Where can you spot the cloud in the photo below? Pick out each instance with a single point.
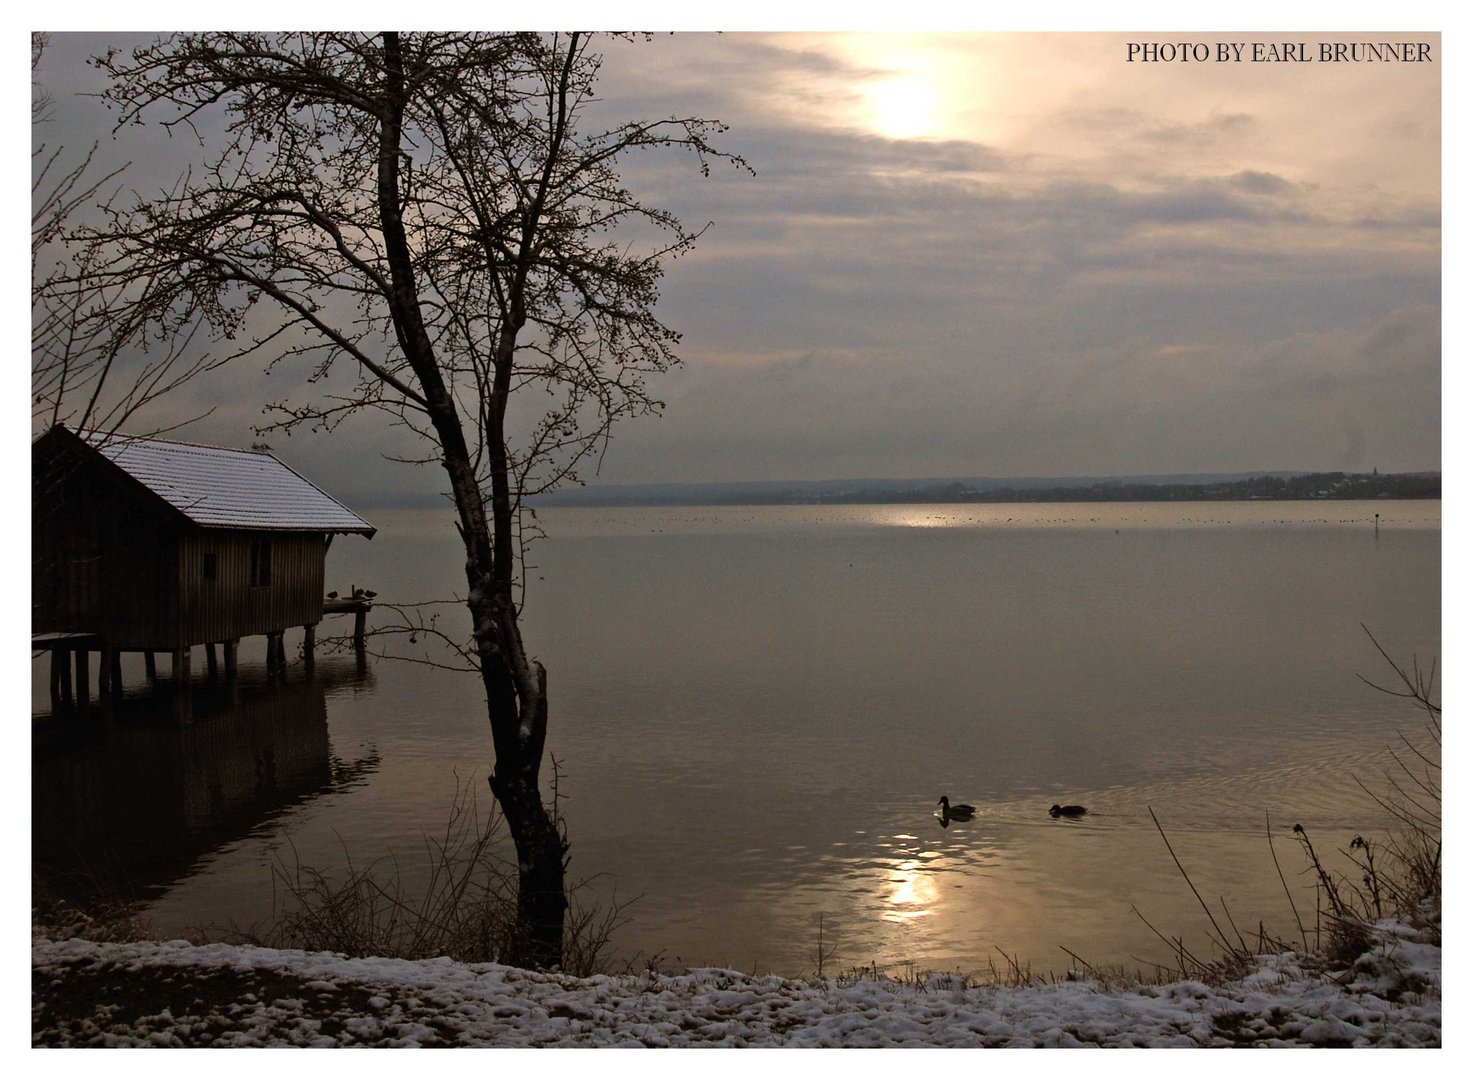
(1088, 268)
(1138, 406)
(1261, 183)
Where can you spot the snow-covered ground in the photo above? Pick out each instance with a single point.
(174, 993)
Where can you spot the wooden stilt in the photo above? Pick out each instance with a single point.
(309, 644)
(360, 627)
(117, 673)
(56, 678)
(181, 686)
(65, 656)
(230, 667)
(150, 665)
(84, 678)
(281, 650)
(105, 657)
(211, 666)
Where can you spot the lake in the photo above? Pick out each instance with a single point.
(756, 709)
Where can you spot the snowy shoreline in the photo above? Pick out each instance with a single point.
(176, 994)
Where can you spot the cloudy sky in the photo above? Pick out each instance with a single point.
(1002, 254)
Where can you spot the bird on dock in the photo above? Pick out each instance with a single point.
(961, 811)
(1066, 811)
(332, 595)
(369, 593)
(357, 594)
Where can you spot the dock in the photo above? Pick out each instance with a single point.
(71, 660)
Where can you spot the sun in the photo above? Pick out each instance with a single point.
(921, 86)
(904, 103)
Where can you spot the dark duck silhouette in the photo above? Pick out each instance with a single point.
(959, 812)
(1066, 811)
(332, 595)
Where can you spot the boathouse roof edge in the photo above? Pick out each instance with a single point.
(216, 487)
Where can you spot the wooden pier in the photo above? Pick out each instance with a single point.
(359, 606)
(71, 662)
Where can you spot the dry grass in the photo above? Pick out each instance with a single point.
(96, 909)
(466, 908)
(1398, 876)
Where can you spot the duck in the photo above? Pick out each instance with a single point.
(1066, 811)
(333, 595)
(369, 593)
(960, 811)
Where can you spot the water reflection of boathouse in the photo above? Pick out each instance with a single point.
(147, 545)
(132, 807)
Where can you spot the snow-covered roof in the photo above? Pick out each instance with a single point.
(220, 488)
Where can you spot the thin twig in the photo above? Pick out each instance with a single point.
(1177, 945)
(1220, 935)
(1268, 831)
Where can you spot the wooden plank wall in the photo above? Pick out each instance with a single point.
(101, 563)
(229, 606)
(107, 560)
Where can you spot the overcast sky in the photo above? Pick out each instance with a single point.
(1000, 255)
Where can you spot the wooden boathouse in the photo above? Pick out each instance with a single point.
(148, 545)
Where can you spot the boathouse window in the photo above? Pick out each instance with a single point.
(260, 562)
(209, 567)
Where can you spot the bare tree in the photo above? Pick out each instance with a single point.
(426, 209)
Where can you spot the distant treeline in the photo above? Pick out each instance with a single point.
(1332, 485)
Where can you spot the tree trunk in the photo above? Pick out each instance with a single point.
(541, 895)
(518, 715)
(516, 699)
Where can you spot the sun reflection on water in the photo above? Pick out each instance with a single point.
(913, 892)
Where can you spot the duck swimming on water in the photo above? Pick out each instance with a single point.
(960, 811)
(1066, 811)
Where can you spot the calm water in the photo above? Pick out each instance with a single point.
(756, 709)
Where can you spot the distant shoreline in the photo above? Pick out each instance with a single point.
(1302, 487)
(1241, 487)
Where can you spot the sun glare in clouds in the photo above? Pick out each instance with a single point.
(904, 102)
(899, 86)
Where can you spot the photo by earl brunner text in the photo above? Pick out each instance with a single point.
(1278, 52)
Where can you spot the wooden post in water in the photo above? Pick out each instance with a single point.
(211, 664)
(360, 626)
(231, 648)
(117, 673)
(84, 691)
(105, 657)
(150, 666)
(58, 677)
(181, 685)
(281, 650)
(309, 645)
